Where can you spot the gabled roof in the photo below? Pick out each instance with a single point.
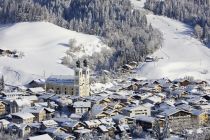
(22, 102)
(33, 109)
(23, 115)
(103, 128)
(82, 104)
(49, 123)
(36, 90)
(145, 118)
(41, 137)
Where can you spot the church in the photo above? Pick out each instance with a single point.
(77, 84)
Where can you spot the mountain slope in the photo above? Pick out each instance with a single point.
(43, 44)
(181, 54)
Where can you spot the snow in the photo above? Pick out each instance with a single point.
(138, 4)
(43, 44)
(181, 54)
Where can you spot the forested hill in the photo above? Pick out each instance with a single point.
(124, 29)
(193, 12)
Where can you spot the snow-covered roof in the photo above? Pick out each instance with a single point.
(50, 123)
(33, 109)
(61, 79)
(23, 115)
(37, 90)
(22, 102)
(41, 137)
(145, 118)
(82, 104)
(103, 128)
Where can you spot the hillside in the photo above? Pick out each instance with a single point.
(192, 12)
(43, 44)
(122, 28)
(181, 54)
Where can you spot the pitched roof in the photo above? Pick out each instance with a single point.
(41, 137)
(23, 115)
(82, 104)
(61, 79)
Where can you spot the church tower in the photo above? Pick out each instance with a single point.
(82, 84)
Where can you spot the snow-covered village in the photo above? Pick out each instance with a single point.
(105, 70)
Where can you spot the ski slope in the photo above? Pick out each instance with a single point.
(181, 54)
(44, 44)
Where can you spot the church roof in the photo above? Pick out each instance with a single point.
(61, 79)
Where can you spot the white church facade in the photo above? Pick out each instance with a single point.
(78, 84)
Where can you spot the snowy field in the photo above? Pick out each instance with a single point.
(44, 44)
(138, 4)
(181, 54)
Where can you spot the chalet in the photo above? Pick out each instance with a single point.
(153, 99)
(36, 91)
(133, 111)
(21, 117)
(22, 130)
(92, 123)
(81, 107)
(2, 108)
(18, 104)
(178, 119)
(37, 83)
(149, 59)
(48, 123)
(103, 129)
(71, 126)
(179, 93)
(199, 117)
(52, 130)
(121, 119)
(40, 113)
(146, 122)
(4, 124)
(64, 136)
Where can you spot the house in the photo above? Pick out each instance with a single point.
(178, 119)
(13, 95)
(40, 137)
(121, 119)
(200, 117)
(147, 122)
(73, 125)
(40, 113)
(37, 83)
(36, 90)
(22, 117)
(22, 130)
(4, 124)
(53, 130)
(2, 108)
(92, 123)
(133, 111)
(81, 107)
(18, 104)
(48, 124)
(153, 99)
(149, 59)
(64, 136)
